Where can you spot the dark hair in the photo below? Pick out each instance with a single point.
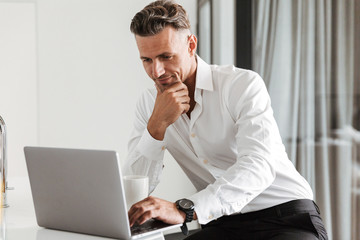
(158, 15)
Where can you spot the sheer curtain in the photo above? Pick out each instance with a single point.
(306, 53)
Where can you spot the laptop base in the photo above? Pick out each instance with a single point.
(155, 236)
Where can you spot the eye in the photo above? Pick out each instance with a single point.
(146, 60)
(167, 57)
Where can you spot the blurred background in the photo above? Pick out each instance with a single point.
(70, 76)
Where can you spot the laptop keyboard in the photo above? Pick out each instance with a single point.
(149, 225)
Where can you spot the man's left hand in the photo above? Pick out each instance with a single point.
(152, 207)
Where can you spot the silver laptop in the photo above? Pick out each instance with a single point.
(81, 191)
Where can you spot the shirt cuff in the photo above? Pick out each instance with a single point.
(150, 147)
(207, 206)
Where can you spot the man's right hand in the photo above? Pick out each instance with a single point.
(170, 103)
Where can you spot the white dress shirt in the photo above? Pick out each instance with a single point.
(230, 148)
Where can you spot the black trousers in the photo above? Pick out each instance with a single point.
(294, 220)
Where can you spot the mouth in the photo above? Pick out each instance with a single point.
(165, 80)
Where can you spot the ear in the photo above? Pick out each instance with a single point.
(192, 41)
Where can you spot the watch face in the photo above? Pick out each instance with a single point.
(186, 204)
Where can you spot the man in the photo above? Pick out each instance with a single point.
(218, 124)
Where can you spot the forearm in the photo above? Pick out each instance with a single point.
(145, 157)
(238, 186)
(156, 128)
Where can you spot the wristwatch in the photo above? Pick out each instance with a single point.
(187, 206)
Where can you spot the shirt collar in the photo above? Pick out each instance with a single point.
(203, 75)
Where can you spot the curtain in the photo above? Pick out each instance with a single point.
(307, 52)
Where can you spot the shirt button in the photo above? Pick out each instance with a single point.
(163, 148)
(205, 161)
(210, 216)
(193, 135)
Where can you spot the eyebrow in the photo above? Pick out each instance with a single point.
(160, 55)
(144, 58)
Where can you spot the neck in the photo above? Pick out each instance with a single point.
(191, 83)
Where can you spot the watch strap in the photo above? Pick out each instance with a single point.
(189, 216)
(184, 229)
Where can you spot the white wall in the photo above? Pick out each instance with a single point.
(18, 80)
(74, 78)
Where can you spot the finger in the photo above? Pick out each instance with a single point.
(132, 211)
(132, 214)
(184, 99)
(138, 209)
(177, 77)
(184, 90)
(178, 87)
(146, 216)
(177, 95)
(186, 108)
(137, 215)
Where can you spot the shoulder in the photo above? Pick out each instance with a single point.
(229, 78)
(243, 91)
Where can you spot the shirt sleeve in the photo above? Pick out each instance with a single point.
(249, 105)
(145, 154)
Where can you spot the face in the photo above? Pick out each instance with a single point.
(168, 54)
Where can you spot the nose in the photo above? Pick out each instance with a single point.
(158, 68)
